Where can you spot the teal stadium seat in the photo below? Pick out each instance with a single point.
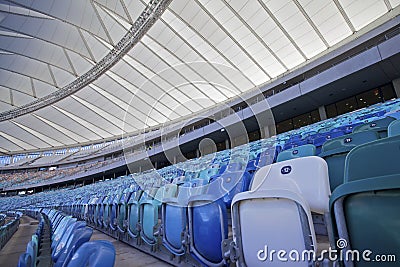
(335, 151)
(297, 152)
(150, 212)
(394, 128)
(133, 213)
(380, 126)
(365, 208)
(123, 210)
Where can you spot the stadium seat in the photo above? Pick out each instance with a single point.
(98, 253)
(380, 126)
(133, 213)
(207, 173)
(106, 211)
(335, 151)
(35, 245)
(99, 211)
(30, 249)
(25, 260)
(365, 208)
(150, 209)
(297, 152)
(268, 156)
(174, 216)
(62, 244)
(60, 230)
(123, 210)
(113, 207)
(276, 212)
(208, 216)
(75, 240)
(394, 128)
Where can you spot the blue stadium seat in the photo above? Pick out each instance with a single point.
(365, 208)
(297, 152)
(98, 253)
(174, 216)
(123, 210)
(75, 240)
(335, 151)
(208, 216)
(99, 211)
(150, 208)
(133, 213)
(62, 244)
(113, 207)
(25, 260)
(31, 251)
(268, 156)
(60, 230)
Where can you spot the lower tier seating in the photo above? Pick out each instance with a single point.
(59, 241)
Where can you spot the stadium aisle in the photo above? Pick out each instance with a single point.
(127, 256)
(9, 255)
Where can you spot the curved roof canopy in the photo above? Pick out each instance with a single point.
(187, 60)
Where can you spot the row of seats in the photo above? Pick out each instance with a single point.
(315, 134)
(61, 240)
(170, 212)
(8, 227)
(192, 215)
(193, 208)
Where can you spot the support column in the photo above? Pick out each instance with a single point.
(227, 145)
(322, 113)
(396, 86)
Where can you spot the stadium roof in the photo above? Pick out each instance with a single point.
(69, 69)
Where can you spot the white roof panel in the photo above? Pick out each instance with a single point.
(197, 55)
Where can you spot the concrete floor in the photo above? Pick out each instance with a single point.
(127, 256)
(9, 255)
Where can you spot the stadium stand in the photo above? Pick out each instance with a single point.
(205, 210)
(200, 133)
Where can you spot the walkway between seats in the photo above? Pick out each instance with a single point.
(9, 255)
(127, 256)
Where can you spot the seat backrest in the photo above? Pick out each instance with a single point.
(31, 250)
(374, 159)
(59, 248)
(25, 260)
(228, 185)
(379, 126)
(166, 191)
(347, 142)
(394, 128)
(190, 188)
(309, 174)
(297, 152)
(94, 253)
(77, 238)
